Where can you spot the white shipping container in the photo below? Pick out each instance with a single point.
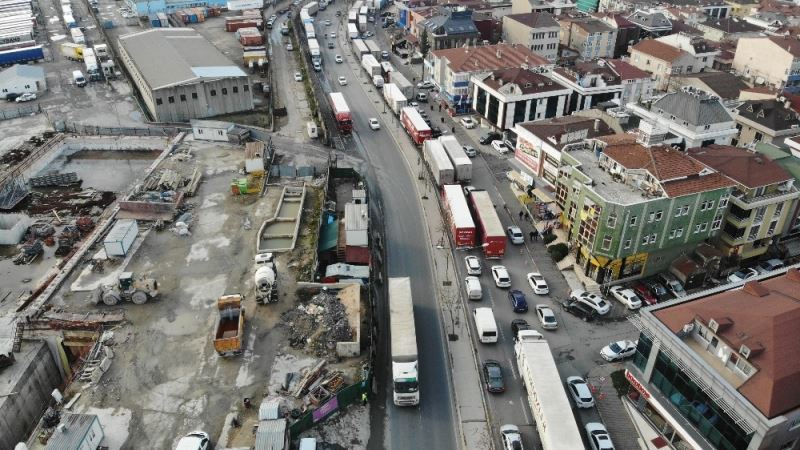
(352, 31)
(373, 48)
(77, 35)
(402, 83)
(443, 171)
(240, 5)
(458, 157)
(120, 239)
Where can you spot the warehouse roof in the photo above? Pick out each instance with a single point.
(73, 433)
(191, 57)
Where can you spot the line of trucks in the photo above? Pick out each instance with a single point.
(357, 16)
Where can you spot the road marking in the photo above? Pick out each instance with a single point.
(522, 404)
(513, 370)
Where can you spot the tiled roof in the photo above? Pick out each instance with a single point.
(582, 69)
(534, 19)
(693, 106)
(745, 167)
(771, 114)
(625, 70)
(558, 126)
(723, 84)
(791, 44)
(593, 25)
(658, 50)
(527, 81)
(764, 316)
(489, 57)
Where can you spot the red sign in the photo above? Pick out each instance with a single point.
(636, 384)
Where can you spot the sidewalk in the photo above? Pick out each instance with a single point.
(610, 406)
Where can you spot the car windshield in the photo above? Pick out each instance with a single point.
(495, 372)
(676, 286)
(615, 347)
(550, 319)
(406, 387)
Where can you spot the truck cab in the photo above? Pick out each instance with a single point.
(78, 78)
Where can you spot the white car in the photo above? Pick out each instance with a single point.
(338, 59)
(619, 350)
(425, 85)
(593, 301)
(515, 235)
(546, 317)
(373, 122)
(289, 47)
(500, 147)
(742, 275)
(473, 287)
(473, 264)
(26, 97)
(468, 123)
(627, 297)
(470, 151)
(580, 392)
(327, 23)
(538, 284)
(342, 80)
(196, 440)
(333, 35)
(598, 436)
(298, 76)
(501, 277)
(512, 440)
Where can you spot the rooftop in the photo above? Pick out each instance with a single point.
(625, 70)
(732, 25)
(581, 73)
(191, 57)
(22, 71)
(560, 131)
(725, 85)
(743, 166)
(791, 44)
(74, 432)
(694, 45)
(658, 50)
(693, 106)
(489, 57)
(651, 20)
(592, 25)
(534, 19)
(771, 114)
(451, 23)
(519, 81)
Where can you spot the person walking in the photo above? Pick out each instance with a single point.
(535, 235)
(364, 398)
(531, 236)
(521, 215)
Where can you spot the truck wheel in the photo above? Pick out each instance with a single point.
(139, 298)
(110, 298)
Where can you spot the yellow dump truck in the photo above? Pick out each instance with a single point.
(230, 325)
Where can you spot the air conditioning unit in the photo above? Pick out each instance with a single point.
(713, 325)
(744, 351)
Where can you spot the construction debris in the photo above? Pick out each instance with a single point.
(318, 325)
(54, 179)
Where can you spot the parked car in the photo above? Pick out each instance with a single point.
(538, 284)
(427, 84)
(470, 151)
(367, 35)
(473, 264)
(333, 35)
(330, 44)
(327, 23)
(493, 376)
(580, 392)
(342, 80)
(593, 301)
(26, 97)
(468, 123)
(435, 131)
(598, 436)
(657, 289)
(672, 284)
(626, 296)
(374, 124)
(518, 301)
(384, 55)
(488, 137)
(289, 47)
(512, 440)
(338, 59)
(12, 96)
(579, 310)
(764, 267)
(473, 287)
(547, 318)
(196, 440)
(644, 293)
(515, 235)
(501, 277)
(518, 325)
(742, 275)
(500, 147)
(619, 350)
(298, 76)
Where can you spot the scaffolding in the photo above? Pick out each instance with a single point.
(13, 192)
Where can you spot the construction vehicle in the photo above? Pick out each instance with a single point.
(129, 288)
(230, 325)
(266, 279)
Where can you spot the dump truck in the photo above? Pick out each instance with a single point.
(230, 325)
(129, 287)
(266, 279)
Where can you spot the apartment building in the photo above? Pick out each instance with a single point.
(450, 29)
(652, 23)
(537, 31)
(555, 7)
(770, 121)
(591, 38)
(728, 29)
(772, 60)
(664, 60)
(600, 81)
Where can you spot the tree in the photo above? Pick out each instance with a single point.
(424, 44)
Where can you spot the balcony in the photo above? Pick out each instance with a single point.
(743, 202)
(713, 362)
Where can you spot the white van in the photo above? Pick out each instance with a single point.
(307, 444)
(311, 127)
(77, 77)
(473, 287)
(486, 325)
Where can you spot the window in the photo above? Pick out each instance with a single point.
(627, 244)
(771, 229)
(672, 233)
(778, 209)
(171, 99)
(704, 226)
(224, 91)
(651, 216)
(653, 238)
(213, 92)
(717, 223)
(612, 221)
(787, 445)
(753, 232)
(697, 228)
(659, 215)
(685, 210)
(606, 242)
(632, 221)
(723, 202)
(679, 232)
(194, 95)
(236, 89)
(678, 211)
(645, 240)
(247, 88)
(183, 97)
(158, 101)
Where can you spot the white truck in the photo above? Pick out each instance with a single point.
(266, 279)
(547, 398)
(77, 36)
(352, 31)
(394, 97)
(371, 65)
(402, 83)
(458, 157)
(362, 23)
(440, 165)
(310, 32)
(377, 80)
(92, 68)
(405, 381)
(313, 49)
(373, 48)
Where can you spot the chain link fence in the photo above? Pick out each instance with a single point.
(94, 130)
(19, 111)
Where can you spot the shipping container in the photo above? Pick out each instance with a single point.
(69, 21)
(250, 38)
(458, 216)
(240, 5)
(490, 229)
(254, 56)
(312, 8)
(373, 48)
(415, 125)
(394, 98)
(163, 20)
(362, 23)
(370, 65)
(311, 33)
(438, 162)
(359, 48)
(402, 83)
(458, 157)
(15, 45)
(386, 67)
(21, 55)
(244, 23)
(352, 31)
(77, 36)
(341, 112)
(120, 239)
(19, 35)
(363, 11)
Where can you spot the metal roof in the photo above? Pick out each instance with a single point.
(271, 435)
(269, 409)
(120, 230)
(694, 106)
(356, 217)
(75, 428)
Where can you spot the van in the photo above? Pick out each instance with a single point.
(422, 97)
(311, 127)
(473, 287)
(307, 444)
(377, 80)
(486, 325)
(77, 77)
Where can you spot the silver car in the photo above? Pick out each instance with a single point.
(580, 392)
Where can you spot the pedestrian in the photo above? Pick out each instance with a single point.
(521, 215)
(527, 216)
(364, 398)
(442, 119)
(453, 129)
(440, 108)
(535, 235)
(532, 235)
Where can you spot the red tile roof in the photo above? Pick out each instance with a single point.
(490, 57)
(658, 49)
(747, 168)
(791, 44)
(626, 71)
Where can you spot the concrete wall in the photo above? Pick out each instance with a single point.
(13, 227)
(199, 100)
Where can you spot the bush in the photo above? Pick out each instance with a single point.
(548, 238)
(558, 251)
(621, 384)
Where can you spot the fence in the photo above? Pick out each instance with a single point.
(19, 111)
(95, 130)
(344, 398)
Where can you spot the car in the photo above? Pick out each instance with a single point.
(414, 105)
(371, 19)
(579, 391)
(515, 235)
(338, 14)
(672, 284)
(374, 124)
(298, 76)
(518, 325)
(618, 350)
(427, 84)
(338, 59)
(470, 151)
(493, 376)
(196, 440)
(333, 35)
(473, 264)
(368, 34)
(384, 55)
(342, 80)
(473, 287)
(330, 44)
(289, 47)
(512, 440)
(488, 137)
(468, 123)
(435, 131)
(538, 283)
(317, 66)
(579, 310)
(518, 302)
(547, 318)
(767, 266)
(501, 277)
(26, 97)
(657, 289)
(327, 23)
(273, 17)
(644, 293)
(742, 275)
(626, 296)
(598, 436)
(12, 96)
(593, 301)
(500, 147)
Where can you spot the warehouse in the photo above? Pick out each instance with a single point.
(19, 79)
(198, 82)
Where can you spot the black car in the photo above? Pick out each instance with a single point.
(493, 376)
(657, 289)
(519, 324)
(338, 14)
(436, 132)
(12, 96)
(518, 302)
(488, 137)
(579, 310)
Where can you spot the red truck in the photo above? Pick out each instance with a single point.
(415, 125)
(493, 238)
(458, 216)
(344, 118)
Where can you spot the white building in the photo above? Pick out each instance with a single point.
(19, 79)
(211, 130)
(76, 432)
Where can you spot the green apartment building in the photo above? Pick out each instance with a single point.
(632, 210)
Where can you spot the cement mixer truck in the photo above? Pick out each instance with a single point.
(266, 279)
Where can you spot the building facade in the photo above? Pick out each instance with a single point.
(772, 60)
(554, 7)
(450, 29)
(728, 29)
(665, 61)
(591, 38)
(591, 82)
(652, 23)
(537, 31)
(21, 78)
(770, 121)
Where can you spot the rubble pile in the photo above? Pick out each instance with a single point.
(318, 324)
(66, 202)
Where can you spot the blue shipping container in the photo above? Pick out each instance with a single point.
(21, 55)
(108, 24)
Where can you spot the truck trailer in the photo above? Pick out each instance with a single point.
(402, 83)
(341, 112)
(415, 125)
(313, 50)
(360, 48)
(438, 162)
(458, 216)
(352, 31)
(21, 55)
(394, 98)
(371, 65)
(490, 229)
(92, 67)
(230, 325)
(72, 51)
(405, 381)
(458, 157)
(373, 48)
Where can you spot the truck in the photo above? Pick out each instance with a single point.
(90, 61)
(129, 287)
(377, 80)
(284, 28)
(69, 21)
(305, 17)
(352, 31)
(438, 162)
(373, 48)
(394, 97)
(312, 8)
(352, 17)
(266, 278)
(230, 325)
(362, 23)
(458, 216)
(370, 65)
(402, 83)
(311, 33)
(77, 36)
(359, 48)
(458, 157)
(386, 68)
(405, 378)
(548, 401)
(21, 55)
(415, 125)
(313, 50)
(490, 229)
(18, 35)
(341, 112)
(72, 51)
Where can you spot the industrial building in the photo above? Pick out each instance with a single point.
(20, 79)
(198, 82)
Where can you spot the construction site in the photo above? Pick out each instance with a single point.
(160, 285)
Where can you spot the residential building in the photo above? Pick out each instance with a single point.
(625, 5)
(506, 97)
(760, 203)
(652, 23)
(76, 432)
(772, 22)
(418, 15)
(787, 157)
(451, 69)
(715, 367)
(743, 8)
(701, 49)
(627, 32)
(22, 78)
(711, 9)
(490, 28)
(724, 85)
(537, 31)
(555, 7)
(772, 60)
(629, 210)
(592, 83)
(686, 118)
(769, 121)
(591, 38)
(451, 29)
(637, 85)
(663, 61)
(728, 29)
(540, 144)
(198, 82)
(587, 6)
(149, 7)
